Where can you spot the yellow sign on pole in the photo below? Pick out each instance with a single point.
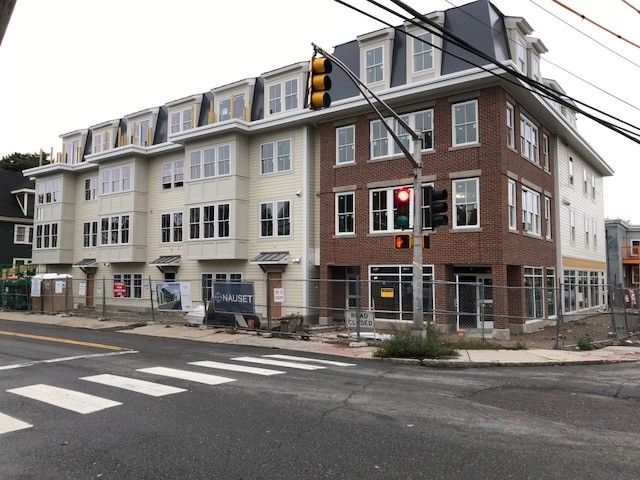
(386, 293)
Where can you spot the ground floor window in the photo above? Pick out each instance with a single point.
(209, 278)
(583, 289)
(534, 292)
(391, 291)
(132, 284)
(551, 292)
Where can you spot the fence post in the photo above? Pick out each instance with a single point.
(104, 297)
(153, 316)
(481, 307)
(268, 304)
(357, 306)
(559, 306)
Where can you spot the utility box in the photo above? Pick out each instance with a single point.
(51, 293)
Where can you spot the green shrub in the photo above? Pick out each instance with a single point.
(404, 344)
(584, 343)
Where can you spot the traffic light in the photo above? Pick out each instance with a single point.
(403, 197)
(437, 208)
(426, 243)
(403, 240)
(319, 83)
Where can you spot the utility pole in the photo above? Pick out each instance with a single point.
(416, 162)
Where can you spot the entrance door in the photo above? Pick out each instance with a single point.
(474, 300)
(90, 289)
(275, 281)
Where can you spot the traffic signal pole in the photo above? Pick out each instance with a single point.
(416, 162)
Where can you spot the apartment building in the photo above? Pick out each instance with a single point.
(244, 183)
(16, 218)
(623, 253)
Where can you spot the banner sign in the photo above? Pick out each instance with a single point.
(233, 297)
(174, 296)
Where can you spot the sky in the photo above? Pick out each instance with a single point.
(71, 64)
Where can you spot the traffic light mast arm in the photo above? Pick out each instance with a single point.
(364, 90)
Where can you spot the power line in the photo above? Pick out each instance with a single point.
(596, 23)
(549, 61)
(629, 4)
(540, 88)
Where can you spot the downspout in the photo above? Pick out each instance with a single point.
(306, 192)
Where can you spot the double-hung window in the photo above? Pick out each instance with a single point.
(48, 191)
(23, 234)
(181, 120)
(173, 174)
(283, 96)
(531, 211)
(512, 205)
(275, 98)
(511, 141)
(345, 213)
(209, 221)
(586, 230)
(585, 185)
(90, 234)
(572, 226)
(114, 230)
(101, 141)
(465, 123)
(545, 153)
(529, 139)
(116, 179)
(171, 227)
(72, 152)
(466, 203)
(275, 218)
(91, 188)
(422, 52)
(593, 186)
(547, 217)
(291, 94)
(282, 160)
(570, 170)
(345, 144)
(380, 138)
(374, 67)
(47, 235)
(132, 283)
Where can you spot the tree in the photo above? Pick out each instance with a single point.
(16, 162)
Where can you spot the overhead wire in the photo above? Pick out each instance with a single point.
(632, 6)
(540, 88)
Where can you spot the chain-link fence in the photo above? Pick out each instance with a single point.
(564, 313)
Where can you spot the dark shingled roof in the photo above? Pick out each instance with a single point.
(10, 181)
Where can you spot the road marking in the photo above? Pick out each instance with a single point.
(10, 424)
(187, 375)
(62, 359)
(278, 363)
(135, 385)
(62, 340)
(305, 359)
(61, 397)
(236, 368)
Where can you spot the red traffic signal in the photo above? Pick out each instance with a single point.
(319, 83)
(403, 240)
(402, 200)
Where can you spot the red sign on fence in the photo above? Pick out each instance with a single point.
(119, 289)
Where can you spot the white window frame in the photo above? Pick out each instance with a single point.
(210, 162)
(46, 236)
(521, 55)
(115, 179)
(570, 170)
(345, 144)
(383, 142)
(587, 234)
(280, 161)
(345, 217)
(545, 152)
(172, 174)
(291, 97)
(464, 123)
(422, 48)
(457, 201)
(48, 191)
(133, 284)
(531, 211)
(529, 140)
(547, 218)
(595, 234)
(512, 211)
(275, 219)
(101, 141)
(24, 238)
(210, 221)
(511, 127)
(593, 187)
(572, 227)
(90, 234)
(117, 231)
(90, 188)
(180, 120)
(585, 183)
(72, 152)
(375, 69)
(171, 227)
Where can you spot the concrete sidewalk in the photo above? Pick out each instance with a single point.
(327, 343)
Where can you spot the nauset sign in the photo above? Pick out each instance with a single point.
(233, 297)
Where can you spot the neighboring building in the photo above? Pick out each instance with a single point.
(6, 9)
(623, 253)
(244, 183)
(16, 218)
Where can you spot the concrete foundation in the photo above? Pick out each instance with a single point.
(501, 334)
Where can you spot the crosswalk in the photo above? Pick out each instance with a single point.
(84, 403)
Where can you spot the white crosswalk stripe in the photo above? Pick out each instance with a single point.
(308, 359)
(10, 424)
(187, 375)
(278, 363)
(61, 397)
(237, 368)
(135, 385)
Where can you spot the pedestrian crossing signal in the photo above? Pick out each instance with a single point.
(403, 240)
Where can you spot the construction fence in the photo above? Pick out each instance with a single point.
(479, 307)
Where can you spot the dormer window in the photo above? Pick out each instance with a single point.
(72, 152)
(181, 120)
(231, 107)
(422, 52)
(101, 141)
(521, 52)
(290, 88)
(374, 65)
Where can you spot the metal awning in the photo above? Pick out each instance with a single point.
(272, 258)
(87, 265)
(167, 263)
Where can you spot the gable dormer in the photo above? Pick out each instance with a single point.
(376, 49)
(517, 30)
(232, 101)
(183, 114)
(284, 89)
(73, 147)
(140, 128)
(424, 50)
(104, 136)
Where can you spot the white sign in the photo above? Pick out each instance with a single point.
(367, 319)
(36, 283)
(278, 295)
(174, 296)
(59, 286)
(82, 289)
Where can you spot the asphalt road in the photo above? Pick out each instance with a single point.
(371, 420)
